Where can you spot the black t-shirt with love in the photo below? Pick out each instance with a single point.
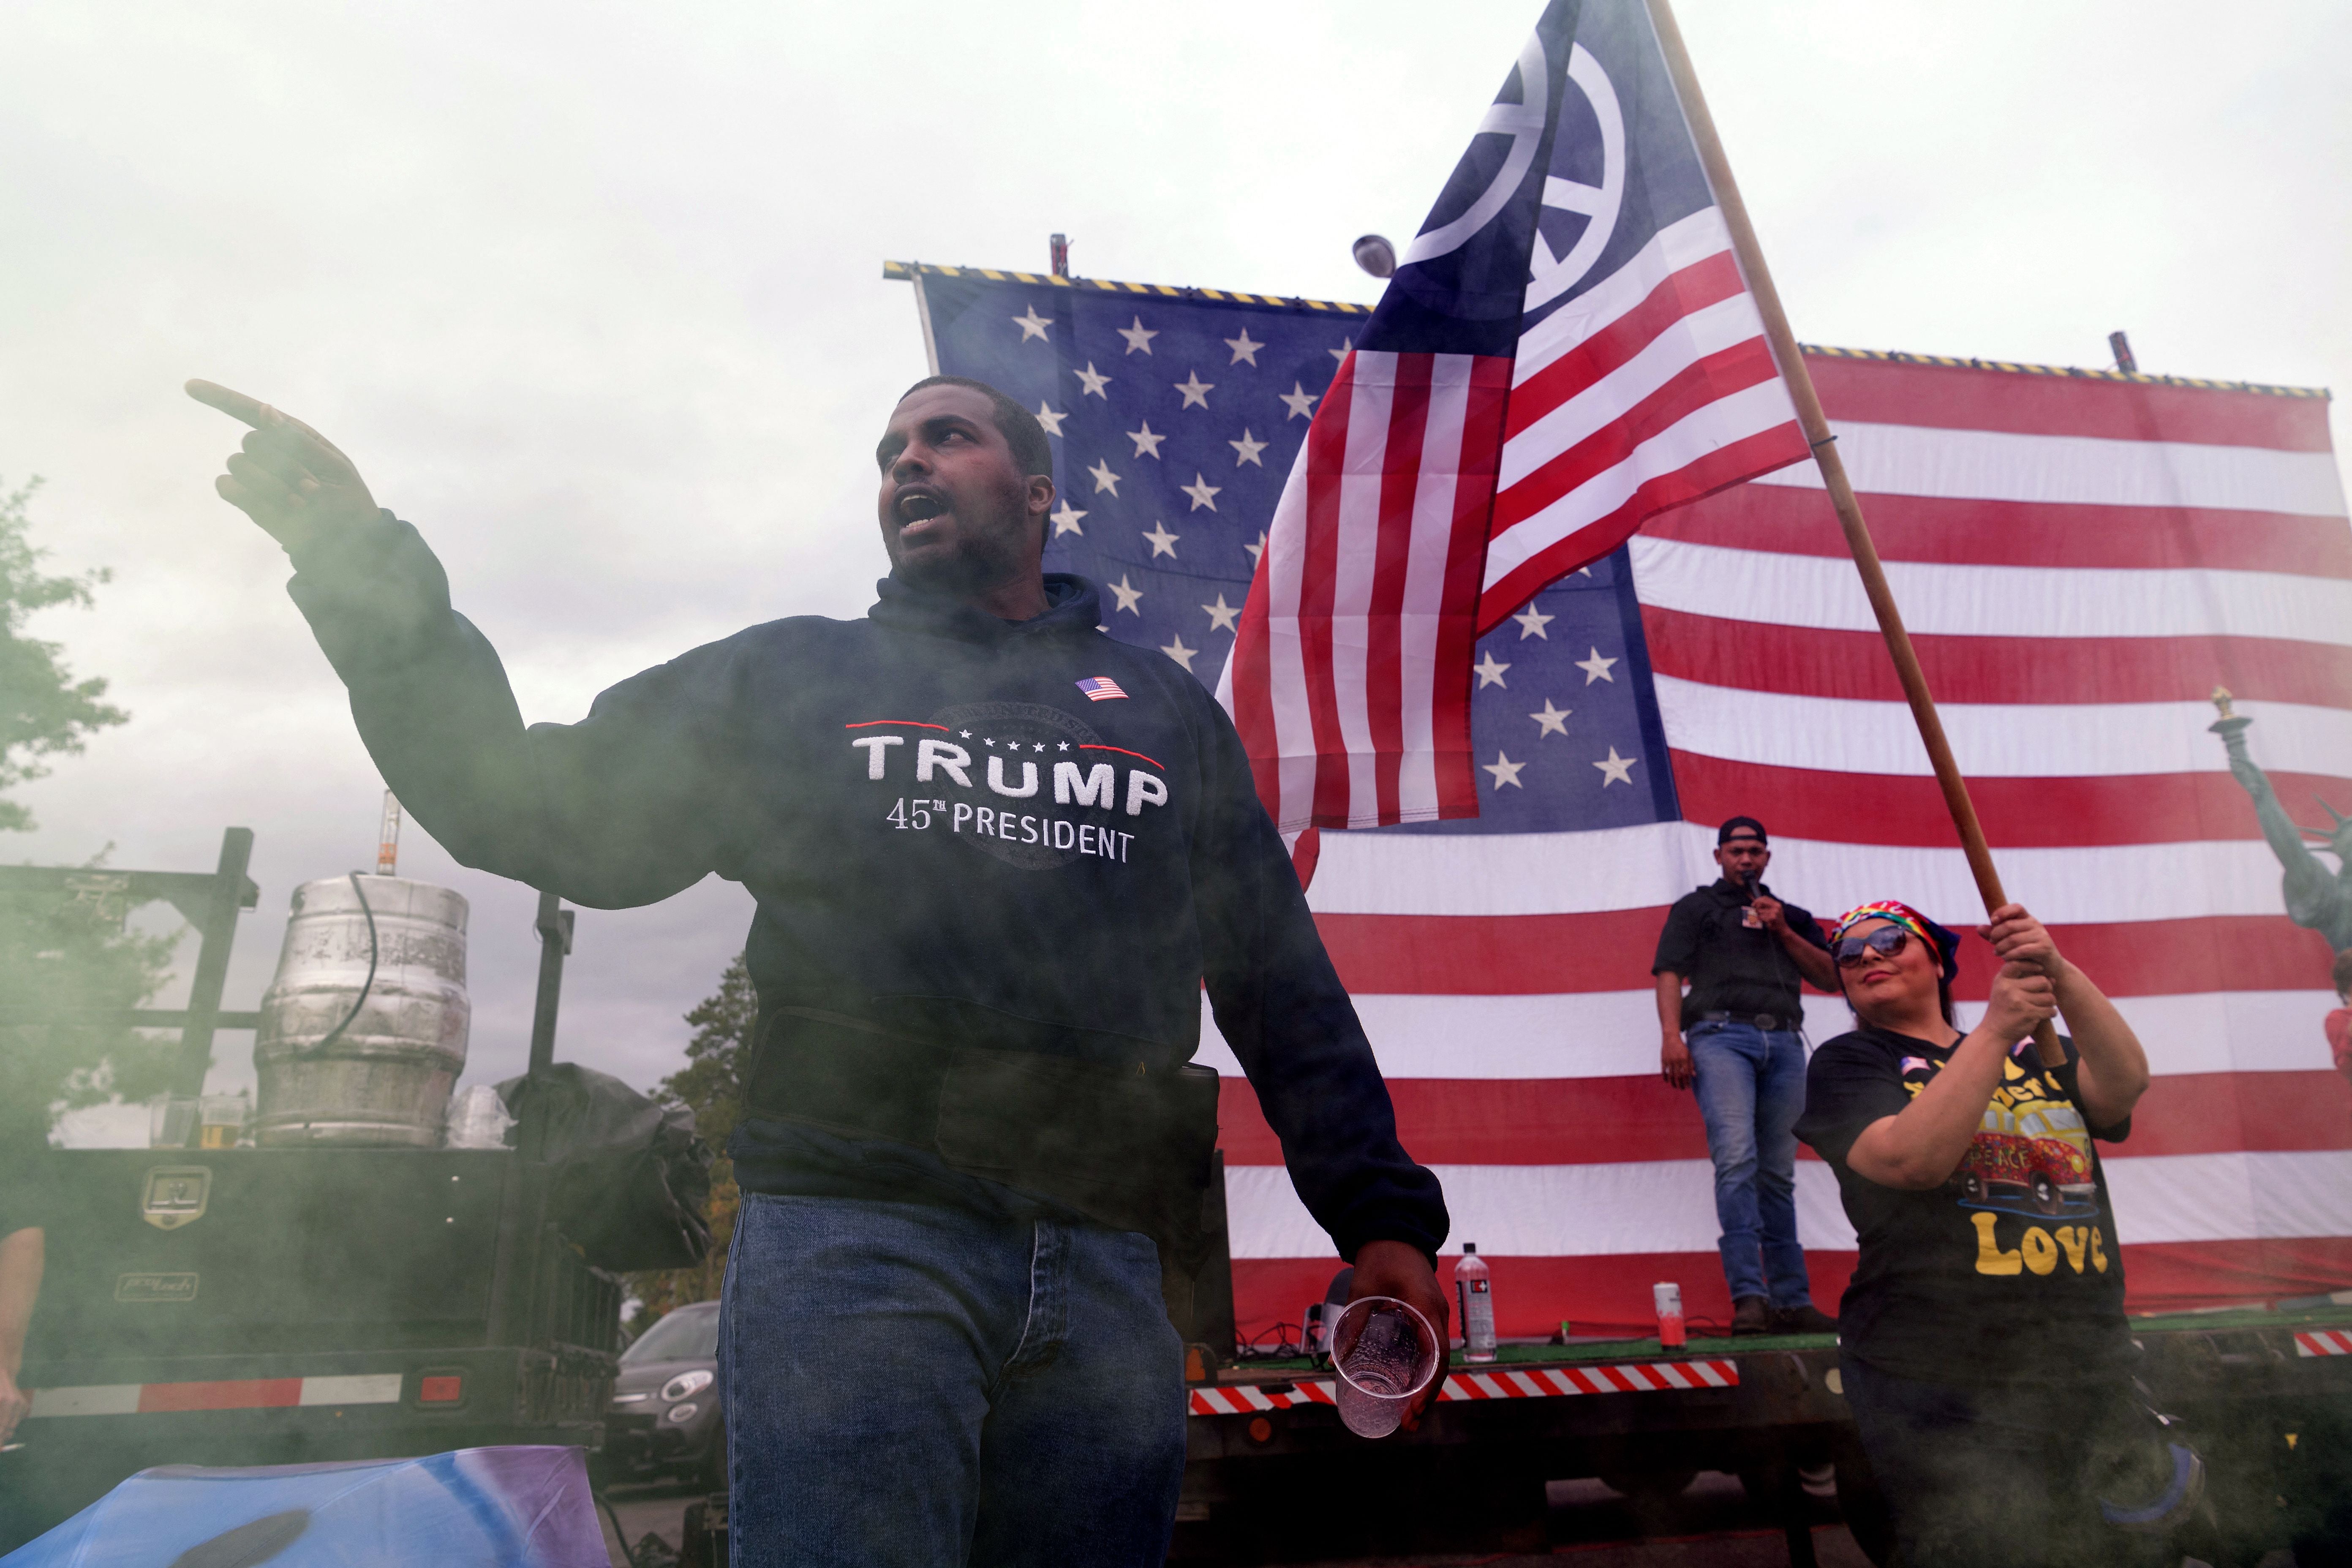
(2009, 1273)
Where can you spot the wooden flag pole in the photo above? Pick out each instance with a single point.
(1816, 426)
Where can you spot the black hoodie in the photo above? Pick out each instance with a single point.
(1022, 835)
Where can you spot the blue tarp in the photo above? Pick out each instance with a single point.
(475, 1508)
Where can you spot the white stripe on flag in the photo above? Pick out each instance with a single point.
(1614, 1033)
(1996, 465)
(1559, 873)
(1667, 1206)
(2015, 740)
(1424, 585)
(1287, 698)
(1723, 325)
(1527, 1211)
(1360, 481)
(1681, 244)
(1823, 591)
(1543, 873)
(2231, 1197)
(1749, 411)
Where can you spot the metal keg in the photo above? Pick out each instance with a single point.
(385, 1079)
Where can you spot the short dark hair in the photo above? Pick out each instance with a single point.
(1020, 428)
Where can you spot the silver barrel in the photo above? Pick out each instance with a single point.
(386, 1078)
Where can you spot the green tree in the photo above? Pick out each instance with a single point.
(44, 710)
(69, 955)
(711, 1084)
(60, 955)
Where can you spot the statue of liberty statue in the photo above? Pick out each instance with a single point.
(2317, 897)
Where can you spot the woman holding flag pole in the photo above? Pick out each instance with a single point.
(1982, 1341)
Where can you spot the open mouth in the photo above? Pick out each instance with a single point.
(919, 506)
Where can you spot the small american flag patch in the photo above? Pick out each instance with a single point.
(1915, 1064)
(1100, 688)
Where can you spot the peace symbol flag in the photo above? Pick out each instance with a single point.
(1566, 349)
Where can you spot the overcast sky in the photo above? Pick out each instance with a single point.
(592, 295)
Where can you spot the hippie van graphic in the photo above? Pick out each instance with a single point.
(2030, 1159)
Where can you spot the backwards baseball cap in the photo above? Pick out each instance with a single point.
(1733, 825)
(1947, 944)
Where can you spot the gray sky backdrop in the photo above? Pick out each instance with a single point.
(591, 294)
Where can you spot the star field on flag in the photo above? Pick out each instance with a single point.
(1164, 508)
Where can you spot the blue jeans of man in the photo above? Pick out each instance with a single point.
(1751, 1089)
(926, 1385)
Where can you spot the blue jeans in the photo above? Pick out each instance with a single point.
(926, 1385)
(1751, 1089)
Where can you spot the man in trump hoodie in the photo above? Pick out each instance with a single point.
(996, 856)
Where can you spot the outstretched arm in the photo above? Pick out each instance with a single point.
(614, 811)
(2307, 877)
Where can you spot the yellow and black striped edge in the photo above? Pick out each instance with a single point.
(2014, 368)
(1103, 285)
(908, 270)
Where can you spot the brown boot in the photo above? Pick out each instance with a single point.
(1751, 1315)
(1805, 1319)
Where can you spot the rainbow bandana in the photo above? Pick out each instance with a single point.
(1947, 944)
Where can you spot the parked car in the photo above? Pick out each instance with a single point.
(665, 1418)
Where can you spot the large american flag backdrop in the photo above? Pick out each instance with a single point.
(2080, 556)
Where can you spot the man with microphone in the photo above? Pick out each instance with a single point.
(1743, 953)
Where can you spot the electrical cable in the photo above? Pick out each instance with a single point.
(606, 1504)
(374, 953)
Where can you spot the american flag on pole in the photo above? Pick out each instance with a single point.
(1566, 349)
(2082, 556)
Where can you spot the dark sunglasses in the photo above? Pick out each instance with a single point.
(1886, 942)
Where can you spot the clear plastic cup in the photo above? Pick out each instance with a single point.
(221, 1119)
(1385, 1353)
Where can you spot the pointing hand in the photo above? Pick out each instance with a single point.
(287, 476)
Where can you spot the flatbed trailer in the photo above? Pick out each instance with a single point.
(289, 1306)
(2264, 1395)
